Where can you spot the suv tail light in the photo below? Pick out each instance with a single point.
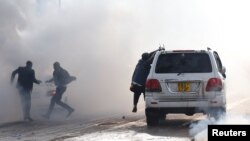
(153, 85)
(214, 84)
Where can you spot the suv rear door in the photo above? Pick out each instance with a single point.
(183, 75)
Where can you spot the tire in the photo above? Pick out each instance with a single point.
(162, 117)
(152, 117)
(152, 120)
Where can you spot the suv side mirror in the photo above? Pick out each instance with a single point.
(223, 71)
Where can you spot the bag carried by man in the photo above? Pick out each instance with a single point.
(67, 78)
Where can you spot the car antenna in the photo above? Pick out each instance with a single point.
(208, 48)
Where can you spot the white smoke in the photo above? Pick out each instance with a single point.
(95, 41)
(12, 18)
(78, 41)
(199, 130)
(100, 42)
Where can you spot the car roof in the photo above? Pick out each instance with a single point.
(184, 51)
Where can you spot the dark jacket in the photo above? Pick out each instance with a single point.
(26, 78)
(61, 77)
(142, 70)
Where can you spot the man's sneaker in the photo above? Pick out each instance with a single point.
(70, 112)
(134, 109)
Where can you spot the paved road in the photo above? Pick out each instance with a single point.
(116, 127)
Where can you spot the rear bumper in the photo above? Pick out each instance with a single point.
(182, 106)
(186, 110)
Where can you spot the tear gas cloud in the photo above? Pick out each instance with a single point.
(91, 39)
(100, 43)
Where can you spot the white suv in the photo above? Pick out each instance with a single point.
(185, 81)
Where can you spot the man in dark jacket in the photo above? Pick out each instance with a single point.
(61, 78)
(26, 78)
(140, 76)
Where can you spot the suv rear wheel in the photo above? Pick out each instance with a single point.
(162, 116)
(152, 121)
(152, 117)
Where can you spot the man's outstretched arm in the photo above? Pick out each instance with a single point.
(151, 55)
(50, 80)
(34, 78)
(13, 75)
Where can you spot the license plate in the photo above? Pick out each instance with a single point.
(184, 86)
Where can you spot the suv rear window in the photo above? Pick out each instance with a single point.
(183, 63)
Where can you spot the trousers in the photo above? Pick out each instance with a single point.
(56, 99)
